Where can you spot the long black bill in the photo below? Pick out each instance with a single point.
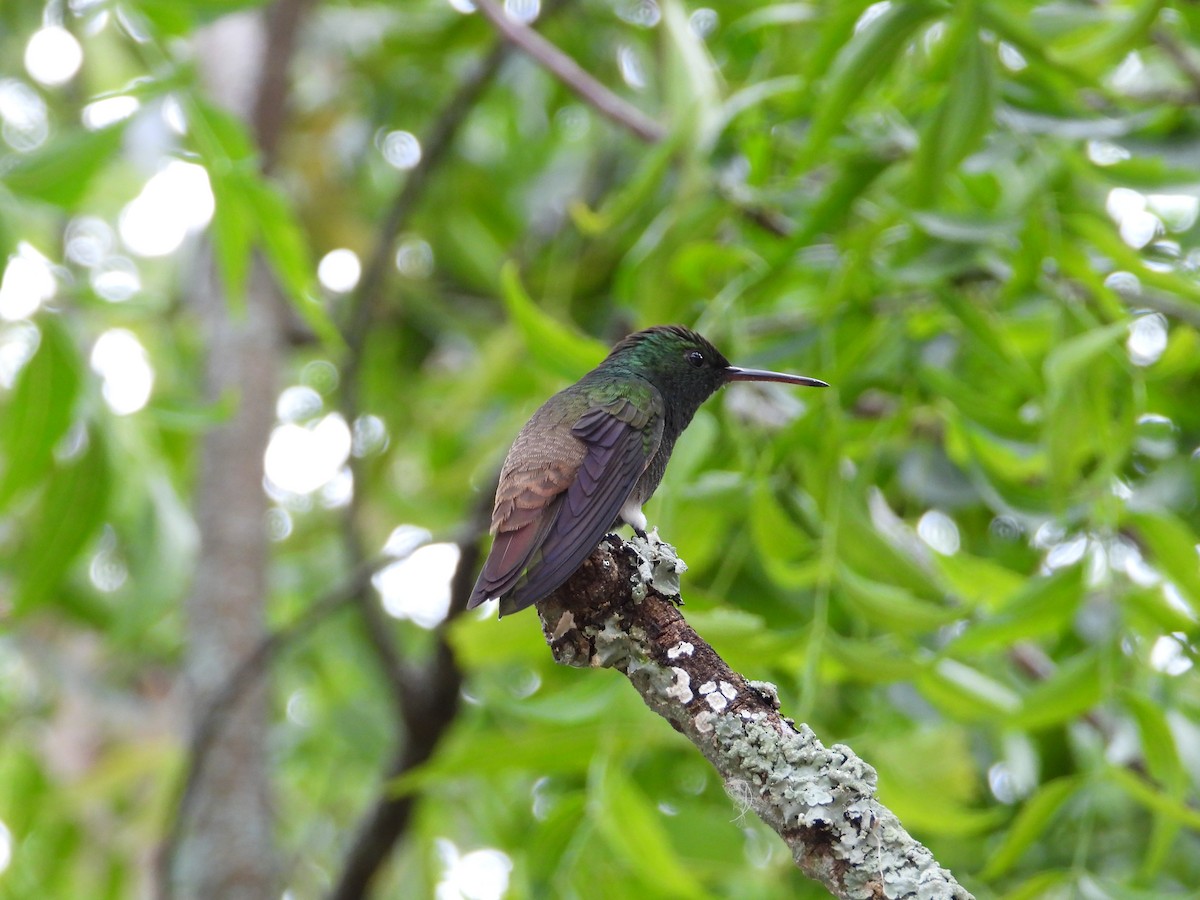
(737, 373)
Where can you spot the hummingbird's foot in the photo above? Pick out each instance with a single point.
(640, 532)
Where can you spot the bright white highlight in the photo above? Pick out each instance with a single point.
(870, 14)
(402, 149)
(1178, 212)
(478, 875)
(122, 362)
(1167, 655)
(18, 343)
(1147, 339)
(6, 847)
(938, 530)
(105, 112)
(300, 460)
(1137, 225)
(298, 403)
(176, 201)
(523, 11)
(53, 56)
(417, 587)
(404, 539)
(27, 283)
(339, 270)
(25, 123)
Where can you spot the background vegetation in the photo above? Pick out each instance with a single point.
(974, 559)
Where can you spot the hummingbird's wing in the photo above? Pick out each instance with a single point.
(564, 507)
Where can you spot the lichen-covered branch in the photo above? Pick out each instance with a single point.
(614, 612)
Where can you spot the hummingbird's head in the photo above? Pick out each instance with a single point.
(685, 366)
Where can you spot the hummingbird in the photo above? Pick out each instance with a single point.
(593, 454)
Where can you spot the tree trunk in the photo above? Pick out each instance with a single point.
(225, 844)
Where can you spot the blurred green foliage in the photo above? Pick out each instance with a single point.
(974, 559)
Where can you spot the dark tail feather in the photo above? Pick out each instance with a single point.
(511, 554)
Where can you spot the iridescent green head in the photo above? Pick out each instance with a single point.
(684, 365)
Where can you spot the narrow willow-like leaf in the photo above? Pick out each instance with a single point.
(38, 411)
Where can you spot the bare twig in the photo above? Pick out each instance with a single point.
(365, 302)
(611, 106)
(571, 74)
(820, 800)
(1181, 56)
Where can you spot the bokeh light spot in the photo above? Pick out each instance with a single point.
(939, 531)
(53, 55)
(102, 113)
(339, 270)
(26, 284)
(1147, 339)
(119, 358)
(478, 875)
(401, 149)
(26, 124)
(417, 587)
(302, 459)
(176, 201)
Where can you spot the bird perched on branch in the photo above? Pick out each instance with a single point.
(593, 454)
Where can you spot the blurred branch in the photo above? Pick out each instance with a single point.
(425, 700)
(272, 105)
(610, 105)
(429, 704)
(820, 800)
(1182, 57)
(1167, 305)
(571, 74)
(216, 716)
(434, 146)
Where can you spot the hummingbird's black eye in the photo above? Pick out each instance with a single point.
(696, 358)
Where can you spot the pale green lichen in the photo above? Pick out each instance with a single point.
(658, 566)
(767, 691)
(798, 782)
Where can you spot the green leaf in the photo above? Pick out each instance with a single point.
(965, 692)
(862, 548)
(786, 549)
(1043, 885)
(690, 80)
(965, 113)
(631, 825)
(1154, 799)
(62, 171)
(890, 607)
(1158, 741)
(232, 232)
(68, 514)
(929, 779)
(865, 57)
(1030, 825)
(1066, 364)
(220, 137)
(887, 662)
(1043, 607)
(287, 251)
(39, 410)
(1073, 689)
(1115, 41)
(978, 580)
(554, 346)
(1172, 548)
